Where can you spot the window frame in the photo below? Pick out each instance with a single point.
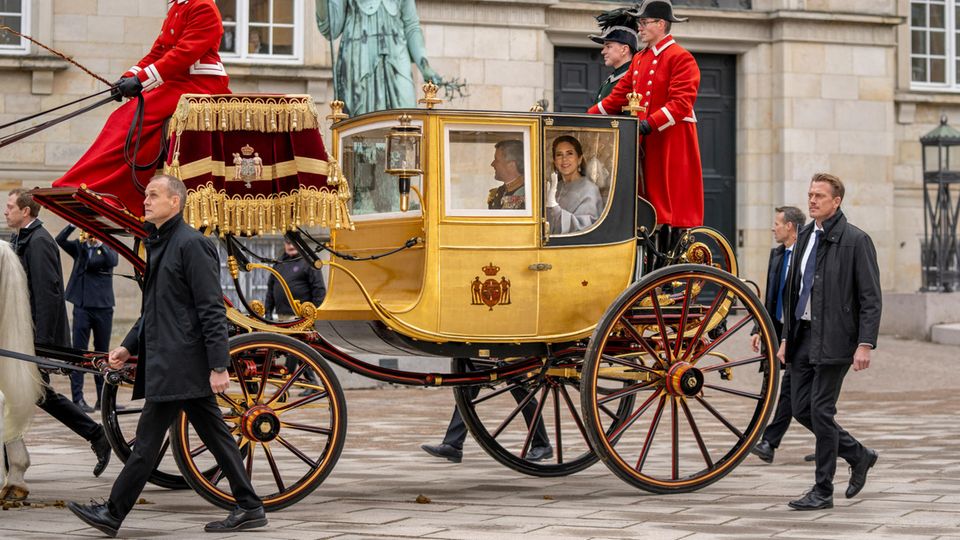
(26, 8)
(242, 36)
(950, 56)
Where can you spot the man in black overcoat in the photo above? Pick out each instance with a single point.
(182, 358)
(786, 224)
(90, 290)
(41, 259)
(832, 320)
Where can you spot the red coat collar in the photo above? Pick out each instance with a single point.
(662, 45)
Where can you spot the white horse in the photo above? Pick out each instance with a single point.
(20, 384)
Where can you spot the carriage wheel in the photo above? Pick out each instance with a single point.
(497, 416)
(120, 427)
(290, 425)
(703, 401)
(709, 246)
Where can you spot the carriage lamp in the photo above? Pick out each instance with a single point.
(403, 156)
(939, 257)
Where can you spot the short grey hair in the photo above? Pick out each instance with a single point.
(792, 214)
(175, 186)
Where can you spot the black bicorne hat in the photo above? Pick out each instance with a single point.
(619, 34)
(657, 9)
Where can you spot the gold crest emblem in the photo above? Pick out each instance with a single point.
(247, 165)
(490, 292)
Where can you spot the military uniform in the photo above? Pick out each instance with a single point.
(500, 199)
(183, 60)
(667, 77)
(612, 81)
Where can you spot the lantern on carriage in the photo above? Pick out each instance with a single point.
(403, 156)
(939, 258)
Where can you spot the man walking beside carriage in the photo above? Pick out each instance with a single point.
(182, 356)
(666, 78)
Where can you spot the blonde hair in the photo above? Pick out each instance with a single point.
(20, 382)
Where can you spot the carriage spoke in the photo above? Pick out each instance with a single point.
(558, 437)
(628, 391)
(198, 450)
(719, 416)
(651, 432)
(664, 340)
(286, 385)
(296, 451)
(126, 411)
(727, 365)
(273, 467)
(513, 414)
(250, 459)
(265, 375)
(632, 418)
(683, 319)
(163, 451)
(534, 422)
(573, 412)
(674, 438)
(238, 370)
(734, 391)
(696, 433)
(302, 401)
(642, 341)
(497, 392)
(303, 427)
(723, 337)
(217, 475)
(714, 306)
(638, 367)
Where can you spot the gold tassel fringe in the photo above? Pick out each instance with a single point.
(239, 112)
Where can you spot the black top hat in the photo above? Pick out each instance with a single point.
(619, 34)
(657, 9)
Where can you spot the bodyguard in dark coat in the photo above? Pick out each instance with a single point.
(90, 290)
(831, 323)
(41, 259)
(181, 345)
(305, 282)
(786, 224)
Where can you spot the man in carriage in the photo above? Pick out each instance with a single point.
(183, 60)
(666, 77)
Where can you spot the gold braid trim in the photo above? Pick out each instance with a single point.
(266, 114)
(249, 215)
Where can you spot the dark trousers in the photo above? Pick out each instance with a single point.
(457, 430)
(156, 418)
(98, 321)
(815, 389)
(783, 415)
(67, 412)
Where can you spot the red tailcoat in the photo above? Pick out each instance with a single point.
(667, 77)
(183, 60)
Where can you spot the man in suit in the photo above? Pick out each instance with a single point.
(831, 321)
(786, 224)
(41, 259)
(90, 290)
(182, 358)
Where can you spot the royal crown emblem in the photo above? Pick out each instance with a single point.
(247, 165)
(490, 292)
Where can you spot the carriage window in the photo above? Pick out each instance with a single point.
(579, 170)
(375, 192)
(487, 170)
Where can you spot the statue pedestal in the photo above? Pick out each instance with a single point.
(912, 315)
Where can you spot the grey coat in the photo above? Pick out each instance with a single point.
(580, 205)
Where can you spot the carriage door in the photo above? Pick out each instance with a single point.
(488, 227)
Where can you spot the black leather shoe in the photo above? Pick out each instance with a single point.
(764, 451)
(812, 501)
(101, 447)
(810, 457)
(858, 473)
(239, 520)
(84, 406)
(443, 451)
(540, 453)
(97, 516)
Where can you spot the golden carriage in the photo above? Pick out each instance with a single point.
(563, 335)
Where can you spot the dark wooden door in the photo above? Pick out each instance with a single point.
(578, 73)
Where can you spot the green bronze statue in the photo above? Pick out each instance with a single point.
(378, 41)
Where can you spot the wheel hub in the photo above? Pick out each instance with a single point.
(684, 380)
(260, 423)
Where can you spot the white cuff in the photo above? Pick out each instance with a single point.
(670, 120)
(153, 79)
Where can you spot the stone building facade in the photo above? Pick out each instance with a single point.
(821, 85)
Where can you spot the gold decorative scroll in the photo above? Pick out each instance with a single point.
(266, 114)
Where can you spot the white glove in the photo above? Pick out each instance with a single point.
(550, 194)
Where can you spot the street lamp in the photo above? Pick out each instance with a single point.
(939, 258)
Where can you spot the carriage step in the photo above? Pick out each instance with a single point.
(946, 334)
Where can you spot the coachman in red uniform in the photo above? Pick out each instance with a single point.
(183, 60)
(666, 77)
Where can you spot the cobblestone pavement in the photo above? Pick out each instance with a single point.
(904, 407)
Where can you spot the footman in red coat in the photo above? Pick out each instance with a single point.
(183, 60)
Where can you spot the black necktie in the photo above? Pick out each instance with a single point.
(809, 270)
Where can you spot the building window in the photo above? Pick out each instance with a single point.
(934, 44)
(16, 15)
(262, 30)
